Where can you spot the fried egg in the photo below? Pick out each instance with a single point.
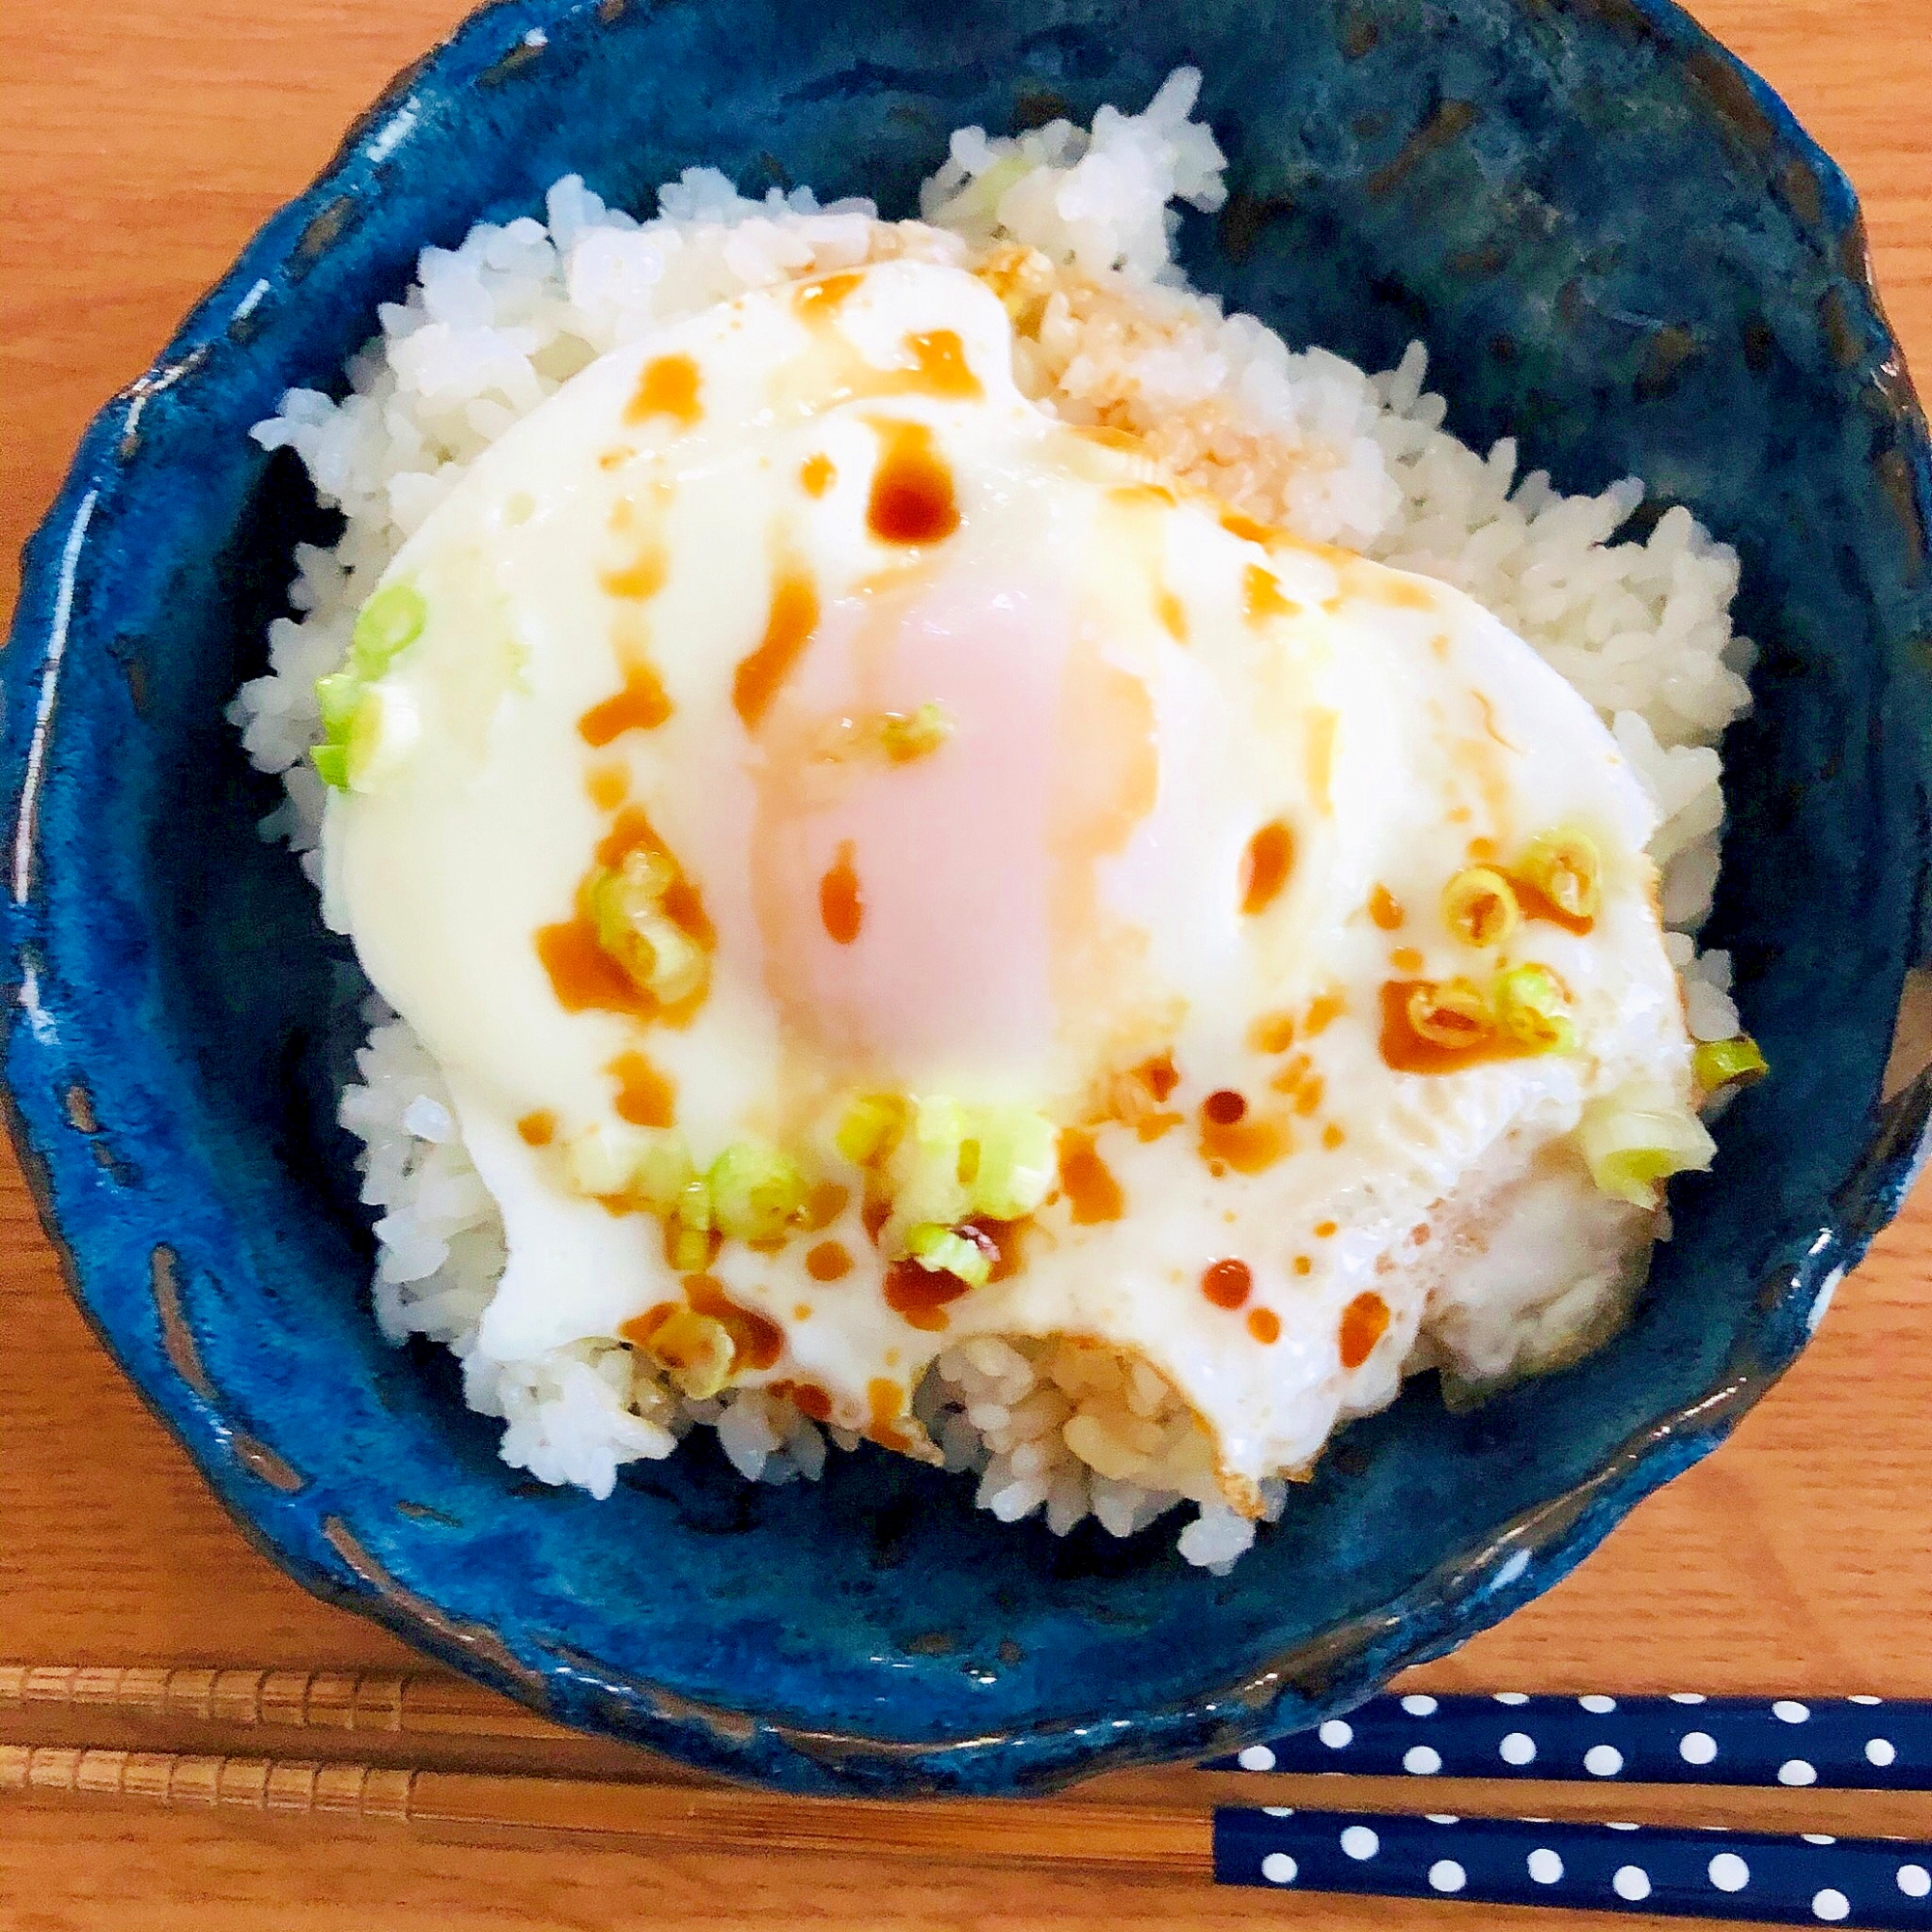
(789, 738)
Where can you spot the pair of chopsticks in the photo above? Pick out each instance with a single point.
(1843, 1745)
(1861, 1743)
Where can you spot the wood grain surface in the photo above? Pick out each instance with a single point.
(208, 1748)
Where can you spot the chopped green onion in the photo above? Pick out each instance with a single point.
(869, 1128)
(1531, 1007)
(1567, 868)
(331, 764)
(1480, 906)
(650, 1166)
(338, 696)
(1637, 1137)
(941, 1251)
(1451, 1013)
(1726, 1063)
(689, 1228)
(755, 1191)
(626, 906)
(927, 1182)
(381, 734)
(1018, 1155)
(696, 1351)
(916, 734)
(392, 620)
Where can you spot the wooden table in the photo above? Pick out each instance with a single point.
(142, 145)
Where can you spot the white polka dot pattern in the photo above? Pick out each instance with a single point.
(1728, 1872)
(1686, 1738)
(1631, 1883)
(1627, 1867)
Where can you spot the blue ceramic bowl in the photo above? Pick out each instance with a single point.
(1621, 250)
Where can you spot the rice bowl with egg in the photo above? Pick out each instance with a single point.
(1125, 1365)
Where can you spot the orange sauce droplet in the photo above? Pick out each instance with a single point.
(1168, 608)
(668, 388)
(609, 785)
(823, 297)
(918, 1296)
(1237, 525)
(942, 368)
(1159, 1075)
(886, 1401)
(824, 1204)
(1321, 757)
(755, 1341)
(640, 706)
(1418, 1234)
(584, 977)
(841, 909)
(873, 1214)
(1406, 1051)
(1303, 1266)
(1482, 850)
(808, 1398)
(1332, 1137)
(1262, 598)
(816, 475)
(1272, 1033)
(641, 577)
(794, 616)
(1293, 1075)
(1406, 960)
(1265, 865)
(1265, 1325)
(828, 1261)
(1226, 1284)
(639, 1329)
(646, 1096)
(1092, 1193)
(1536, 903)
(1386, 909)
(1229, 1138)
(1363, 1323)
(537, 1129)
(1323, 1009)
(1309, 1097)
(912, 501)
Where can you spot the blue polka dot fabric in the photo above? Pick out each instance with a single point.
(1779, 1881)
(1848, 1744)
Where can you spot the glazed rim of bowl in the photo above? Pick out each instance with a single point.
(1328, 1672)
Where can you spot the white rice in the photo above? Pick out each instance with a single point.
(1303, 439)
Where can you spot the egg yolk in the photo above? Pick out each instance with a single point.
(974, 864)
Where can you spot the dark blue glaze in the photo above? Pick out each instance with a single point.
(1621, 248)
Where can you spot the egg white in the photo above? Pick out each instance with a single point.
(1078, 625)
